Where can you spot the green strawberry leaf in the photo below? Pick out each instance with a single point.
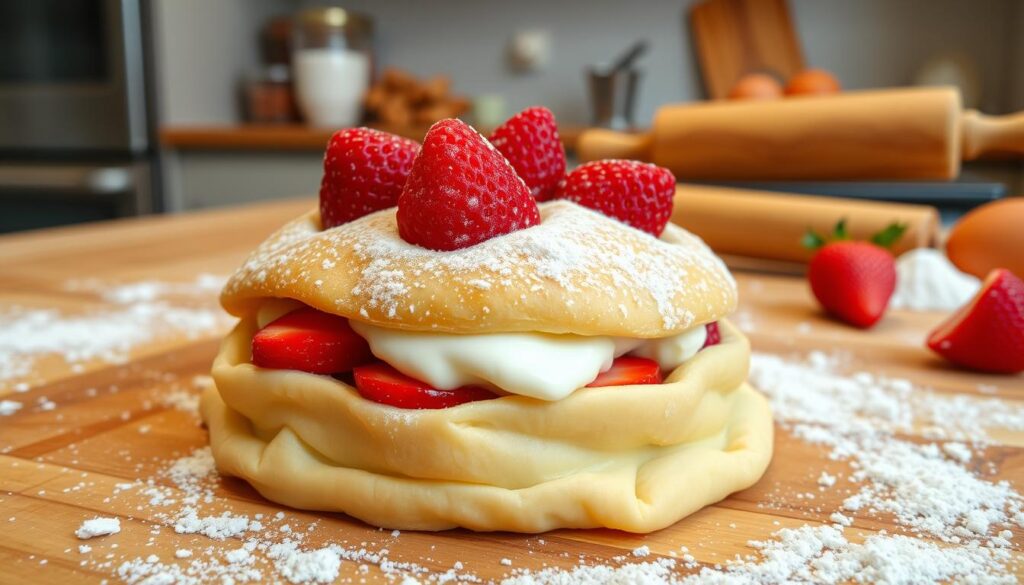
(888, 236)
(839, 232)
(812, 240)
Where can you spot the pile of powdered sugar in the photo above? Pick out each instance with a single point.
(927, 281)
(142, 313)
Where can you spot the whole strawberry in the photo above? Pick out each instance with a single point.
(364, 171)
(635, 193)
(461, 191)
(852, 280)
(529, 141)
(987, 334)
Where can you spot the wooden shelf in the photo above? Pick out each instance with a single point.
(292, 137)
(284, 137)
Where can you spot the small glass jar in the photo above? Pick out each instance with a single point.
(268, 96)
(332, 63)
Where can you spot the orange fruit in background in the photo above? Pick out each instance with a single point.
(812, 82)
(989, 237)
(756, 86)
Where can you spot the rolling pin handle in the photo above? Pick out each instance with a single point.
(991, 135)
(598, 143)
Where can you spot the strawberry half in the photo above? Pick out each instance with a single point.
(853, 280)
(381, 383)
(364, 171)
(529, 140)
(310, 341)
(629, 371)
(987, 333)
(461, 191)
(635, 193)
(714, 335)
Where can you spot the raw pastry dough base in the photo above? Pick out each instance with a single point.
(635, 458)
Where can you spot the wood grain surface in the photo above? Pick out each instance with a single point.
(96, 435)
(736, 37)
(292, 136)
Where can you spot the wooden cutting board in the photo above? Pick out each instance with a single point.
(736, 37)
(44, 495)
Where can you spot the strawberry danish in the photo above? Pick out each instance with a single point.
(469, 356)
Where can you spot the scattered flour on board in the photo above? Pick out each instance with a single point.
(927, 281)
(143, 312)
(204, 285)
(925, 487)
(953, 521)
(273, 548)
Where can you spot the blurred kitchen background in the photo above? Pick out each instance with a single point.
(112, 108)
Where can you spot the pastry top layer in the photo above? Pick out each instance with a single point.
(577, 272)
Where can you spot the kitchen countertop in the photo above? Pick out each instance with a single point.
(110, 423)
(285, 137)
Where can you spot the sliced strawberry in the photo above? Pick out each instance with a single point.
(461, 191)
(628, 371)
(986, 334)
(310, 341)
(714, 335)
(853, 280)
(364, 171)
(529, 140)
(381, 383)
(635, 193)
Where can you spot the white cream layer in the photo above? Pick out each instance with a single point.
(539, 365)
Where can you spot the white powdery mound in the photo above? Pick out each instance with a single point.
(316, 566)
(98, 527)
(927, 281)
(9, 407)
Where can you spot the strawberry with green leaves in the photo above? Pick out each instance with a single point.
(853, 280)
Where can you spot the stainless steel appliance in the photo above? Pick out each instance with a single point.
(76, 116)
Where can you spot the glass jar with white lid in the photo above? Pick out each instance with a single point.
(332, 63)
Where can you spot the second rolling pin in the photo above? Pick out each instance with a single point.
(767, 225)
(919, 133)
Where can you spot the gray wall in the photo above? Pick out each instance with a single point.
(206, 46)
(203, 48)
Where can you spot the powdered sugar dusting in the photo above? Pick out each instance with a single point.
(582, 254)
(955, 521)
(143, 312)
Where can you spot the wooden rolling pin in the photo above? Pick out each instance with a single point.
(769, 226)
(919, 133)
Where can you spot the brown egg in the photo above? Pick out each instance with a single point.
(756, 86)
(812, 82)
(991, 236)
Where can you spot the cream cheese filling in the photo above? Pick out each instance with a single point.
(540, 365)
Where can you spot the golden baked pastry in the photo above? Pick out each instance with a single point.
(577, 272)
(634, 457)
